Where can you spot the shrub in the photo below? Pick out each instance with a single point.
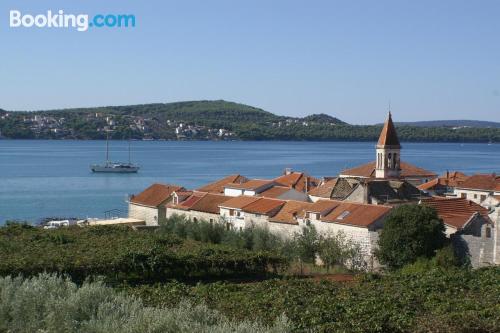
(448, 301)
(119, 253)
(410, 232)
(337, 249)
(48, 303)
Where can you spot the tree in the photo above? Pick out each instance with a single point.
(410, 232)
(338, 249)
(306, 245)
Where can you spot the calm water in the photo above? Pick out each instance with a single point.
(52, 178)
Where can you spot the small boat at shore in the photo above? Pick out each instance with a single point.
(115, 167)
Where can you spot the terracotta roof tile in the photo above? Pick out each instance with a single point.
(449, 179)
(490, 182)
(455, 212)
(155, 195)
(324, 190)
(407, 170)
(239, 202)
(322, 206)
(290, 211)
(298, 180)
(263, 206)
(209, 203)
(388, 136)
(218, 186)
(274, 192)
(356, 214)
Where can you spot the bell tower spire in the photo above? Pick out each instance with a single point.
(388, 149)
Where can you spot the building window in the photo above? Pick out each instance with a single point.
(488, 232)
(475, 196)
(318, 216)
(463, 195)
(483, 197)
(195, 219)
(231, 212)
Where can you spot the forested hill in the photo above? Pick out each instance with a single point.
(452, 123)
(210, 120)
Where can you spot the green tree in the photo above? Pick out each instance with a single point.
(306, 245)
(410, 232)
(338, 249)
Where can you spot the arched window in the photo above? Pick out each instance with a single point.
(389, 164)
(488, 232)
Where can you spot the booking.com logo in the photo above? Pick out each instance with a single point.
(81, 22)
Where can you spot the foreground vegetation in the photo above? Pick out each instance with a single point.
(243, 122)
(119, 254)
(200, 277)
(415, 300)
(48, 303)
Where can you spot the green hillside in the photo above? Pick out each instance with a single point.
(212, 120)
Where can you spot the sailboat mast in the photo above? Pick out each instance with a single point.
(128, 151)
(107, 147)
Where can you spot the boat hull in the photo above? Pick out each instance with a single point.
(114, 169)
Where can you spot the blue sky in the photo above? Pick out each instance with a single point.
(431, 59)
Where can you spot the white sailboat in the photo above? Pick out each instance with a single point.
(115, 167)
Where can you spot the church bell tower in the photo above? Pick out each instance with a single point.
(388, 152)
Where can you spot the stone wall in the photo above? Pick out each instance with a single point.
(480, 243)
(150, 215)
(193, 214)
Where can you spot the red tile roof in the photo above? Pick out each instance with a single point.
(324, 190)
(388, 136)
(202, 202)
(356, 214)
(263, 206)
(490, 182)
(407, 171)
(239, 202)
(274, 192)
(290, 211)
(449, 179)
(155, 195)
(218, 186)
(455, 212)
(323, 206)
(298, 180)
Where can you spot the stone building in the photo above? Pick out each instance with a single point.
(199, 206)
(368, 191)
(149, 205)
(478, 187)
(445, 184)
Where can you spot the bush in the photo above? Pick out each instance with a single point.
(410, 232)
(119, 253)
(337, 249)
(48, 303)
(453, 300)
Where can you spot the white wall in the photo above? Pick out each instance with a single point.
(471, 194)
(231, 192)
(148, 214)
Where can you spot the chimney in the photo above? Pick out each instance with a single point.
(288, 171)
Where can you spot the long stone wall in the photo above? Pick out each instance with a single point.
(150, 215)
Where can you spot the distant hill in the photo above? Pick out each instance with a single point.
(220, 120)
(323, 118)
(452, 123)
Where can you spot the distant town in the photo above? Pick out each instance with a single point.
(355, 203)
(220, 120)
